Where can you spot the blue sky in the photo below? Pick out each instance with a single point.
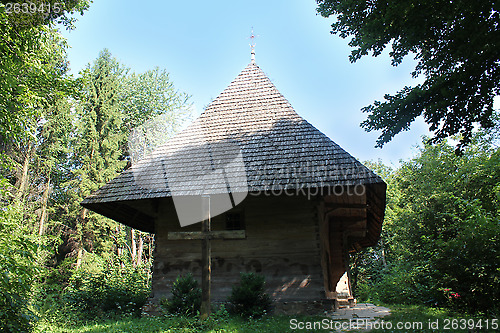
(205, 45)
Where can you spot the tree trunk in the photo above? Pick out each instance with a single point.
(83, 217)
(24, 172)
(151, 247)
(45, 199)
(119, 249)
(133, 247)
(140, 248)
(79, 257)
(384, 262)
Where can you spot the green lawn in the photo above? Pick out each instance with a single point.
(416, 319)
(424, 319)
(271, 324)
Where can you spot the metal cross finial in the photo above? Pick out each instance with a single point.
(252, 45)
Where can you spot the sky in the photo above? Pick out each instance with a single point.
(204, 45)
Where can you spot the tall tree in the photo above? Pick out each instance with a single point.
(97, 148)
(456, 45)
(52, 161)
(114, 102)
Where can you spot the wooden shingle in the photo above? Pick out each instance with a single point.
(279, 148)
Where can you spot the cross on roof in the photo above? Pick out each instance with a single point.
(252, 45)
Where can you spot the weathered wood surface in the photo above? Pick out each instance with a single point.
(297, 244)
(282, 243)
(206, 260)
(220, 234)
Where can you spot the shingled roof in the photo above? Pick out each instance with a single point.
(279, 149)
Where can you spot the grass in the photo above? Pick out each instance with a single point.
(428, 318)
(270, 324)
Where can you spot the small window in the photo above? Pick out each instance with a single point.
(234, 221)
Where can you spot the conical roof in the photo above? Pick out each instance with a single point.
(250, 121)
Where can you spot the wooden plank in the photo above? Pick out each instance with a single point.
(219, 234)
(324, 248)
(206, 259)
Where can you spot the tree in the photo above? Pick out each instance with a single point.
(114, 102)
(51, 162)
(98, 156)
(456, 45)
(150, 94)
(30, 69)
(18, 267)
(153, 111)
(441, 230)
(449, 223)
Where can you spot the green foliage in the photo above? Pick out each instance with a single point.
(113, 102)
(152, 93)
(171, 324)
(60, 139)
(249, 299)
(397, 285)
(28, 15)
(186, 296)
(441, 231)
(32, 73)
(455, 44)
(101, 286)
(99, 128)
(18, 268)
(48, 289)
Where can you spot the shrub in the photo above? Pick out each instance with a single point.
(186, 296)
(103, 288)
(248, 299)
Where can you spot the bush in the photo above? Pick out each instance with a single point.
(248, 299)
(186, 297)
(105, 288)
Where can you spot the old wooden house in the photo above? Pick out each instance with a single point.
(299, 203)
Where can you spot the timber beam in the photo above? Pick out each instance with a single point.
(220, 234)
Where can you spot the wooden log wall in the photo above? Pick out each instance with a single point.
(282, 243)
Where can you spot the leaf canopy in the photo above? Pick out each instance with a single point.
(456, 46)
